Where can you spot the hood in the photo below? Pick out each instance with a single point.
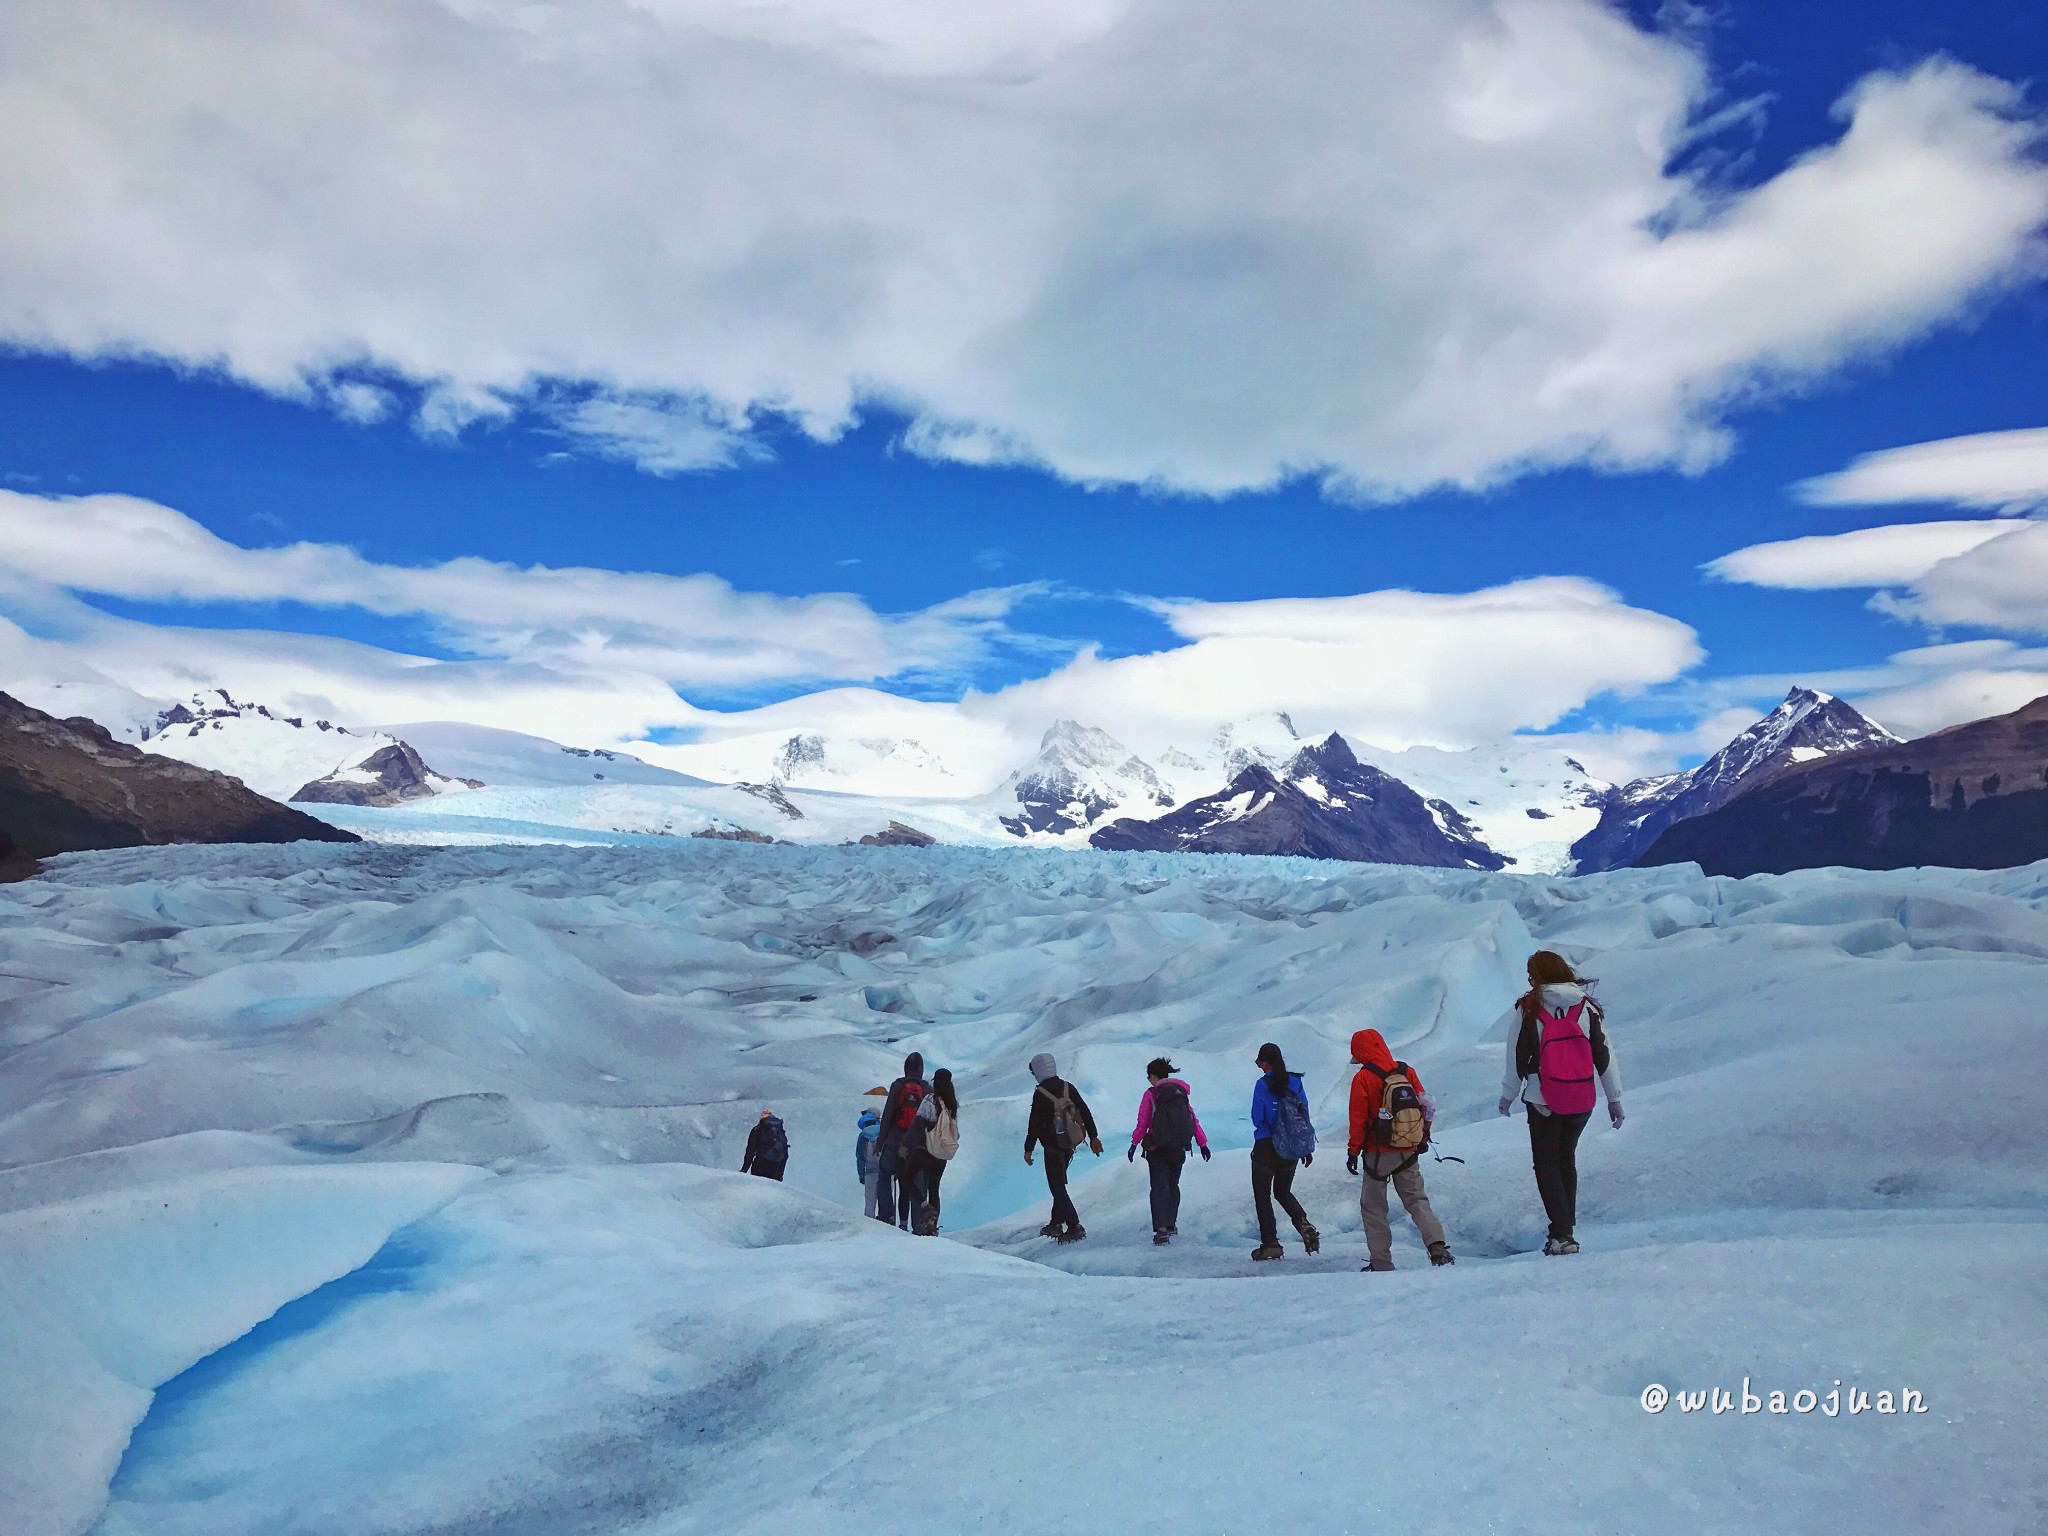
(1278, 1083)
(1560, 995)
(869, 1121)
(1042, 1066)
(1369, 1049)
(913, 1064)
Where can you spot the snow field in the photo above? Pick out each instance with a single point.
(604, 1338)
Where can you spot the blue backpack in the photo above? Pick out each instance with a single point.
(1293, 1135)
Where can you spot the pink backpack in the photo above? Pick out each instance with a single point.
(1564, 1062)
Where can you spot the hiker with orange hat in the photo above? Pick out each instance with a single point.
(1390, 1125)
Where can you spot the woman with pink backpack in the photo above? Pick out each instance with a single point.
(1554, 1057)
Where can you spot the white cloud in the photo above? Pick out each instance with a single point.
(1393, 668)
(1869, 557)
(1201, 245)
(692, 631)
(2001, 584)
(1994, 470)
(1990, 574)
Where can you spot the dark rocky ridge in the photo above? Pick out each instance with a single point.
(1973, 796)
(1807, 725)
(1328, 805)
(67, 785)
(391, 775)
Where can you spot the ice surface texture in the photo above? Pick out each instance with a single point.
(230, 1077)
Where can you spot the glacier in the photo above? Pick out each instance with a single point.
(388, 1188)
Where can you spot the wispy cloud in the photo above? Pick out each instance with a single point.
(691, 631)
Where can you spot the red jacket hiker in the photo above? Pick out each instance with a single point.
(1369, 1049)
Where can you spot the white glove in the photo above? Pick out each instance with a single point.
(1504, 1105)
(1614, 1112)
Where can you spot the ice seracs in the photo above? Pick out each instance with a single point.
(1808, 726)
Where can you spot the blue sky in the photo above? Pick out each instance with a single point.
(255, 444)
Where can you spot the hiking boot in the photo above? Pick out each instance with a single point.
(1162, 1237)
(1560, 1245)
(1370, 1268)
(1267, 1251)
(1311, 1239)
(1440, 1253)
(1074, 1234)
(1050, 1229)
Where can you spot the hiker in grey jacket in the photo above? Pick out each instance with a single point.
(1043, 1129)
(1555, 989)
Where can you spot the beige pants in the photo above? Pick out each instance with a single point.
(1372, 1206)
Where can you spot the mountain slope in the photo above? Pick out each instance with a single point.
(1807, 727)
(1973, 796)
(515, 759)
(1325, 805)
(67, 785)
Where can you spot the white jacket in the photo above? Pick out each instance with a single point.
(1556, 999)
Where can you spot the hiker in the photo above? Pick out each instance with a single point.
(1062, 1123)
(767, 1151)
(929, 1146)
(1166, 1128)
(1391, 1117)
(1282, 1139)
(1554, 1054)
(867, 1160)
(899, 1117)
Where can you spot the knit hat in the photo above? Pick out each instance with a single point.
(1042, 1065)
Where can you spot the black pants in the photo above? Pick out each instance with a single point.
(1056, 1163)
(906, 1184)
(886, 1181)
(1165, 1167)
(1554, 1149)
(921, 1175)
(1273, 1179)
(768, 1171)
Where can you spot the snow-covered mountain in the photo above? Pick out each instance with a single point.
(1080, 776)
(515, 759)
(1325, 804)
(1970, 797)
(1527, 801)
(271, 752)
(888, 766)
(1806, 727)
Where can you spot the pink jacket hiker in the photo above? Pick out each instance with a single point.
(1145, 1115)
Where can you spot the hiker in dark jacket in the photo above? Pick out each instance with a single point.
(767, 1151)
(899, 1119)
(925, 1151)
(1166, 1129)
(1272, 1174)
(1558, 1046)
(1060, 1121)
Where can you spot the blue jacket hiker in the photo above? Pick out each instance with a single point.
(1282, 1140)
(867, 1156)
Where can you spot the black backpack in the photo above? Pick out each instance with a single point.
(774, 1142)
(1173, 1120)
